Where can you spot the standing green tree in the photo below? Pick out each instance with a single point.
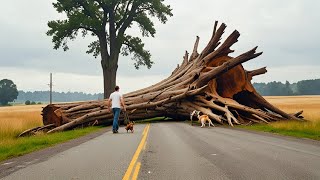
(8, 91)
(287, 89)
(108, 20)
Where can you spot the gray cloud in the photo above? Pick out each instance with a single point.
(286, 31)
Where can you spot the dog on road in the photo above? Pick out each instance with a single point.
(201, 118)
(130, 126)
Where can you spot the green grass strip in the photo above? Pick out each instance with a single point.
(311, 133)
(14, 147)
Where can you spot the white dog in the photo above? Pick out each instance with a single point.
(203, 118)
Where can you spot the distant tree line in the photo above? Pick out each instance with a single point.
(31, 102)
(9, 92)
(304, 87)
(43, 96)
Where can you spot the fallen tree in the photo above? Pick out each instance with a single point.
(212, 82)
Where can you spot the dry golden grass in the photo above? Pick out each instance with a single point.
(292, 104)
(15, 119)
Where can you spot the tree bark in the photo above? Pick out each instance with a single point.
(109, 64)
(212, 82)
(109, 79)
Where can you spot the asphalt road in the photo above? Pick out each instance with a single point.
(181, 151)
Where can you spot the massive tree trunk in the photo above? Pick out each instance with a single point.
(109, 64)
(212, 82)
(109, 78)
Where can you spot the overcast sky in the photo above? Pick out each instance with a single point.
(287, 31)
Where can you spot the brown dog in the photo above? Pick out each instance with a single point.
(203, 118)
(130, 126)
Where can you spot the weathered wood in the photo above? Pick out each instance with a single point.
(195, 53)
(32, 131)
(256, 72)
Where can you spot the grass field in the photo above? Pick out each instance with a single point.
(291, 104)
(16, 119)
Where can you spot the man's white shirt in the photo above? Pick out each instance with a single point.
(115, 97)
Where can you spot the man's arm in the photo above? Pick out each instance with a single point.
(109, 103)
(123, 105)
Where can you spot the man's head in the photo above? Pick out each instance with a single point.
(116, 88)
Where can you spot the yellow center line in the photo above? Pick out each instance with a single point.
(136, 154)
(136, 171)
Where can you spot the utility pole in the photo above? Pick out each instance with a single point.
(50, 88)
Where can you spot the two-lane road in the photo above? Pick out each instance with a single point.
(181, 151)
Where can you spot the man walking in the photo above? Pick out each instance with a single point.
(115, 102)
